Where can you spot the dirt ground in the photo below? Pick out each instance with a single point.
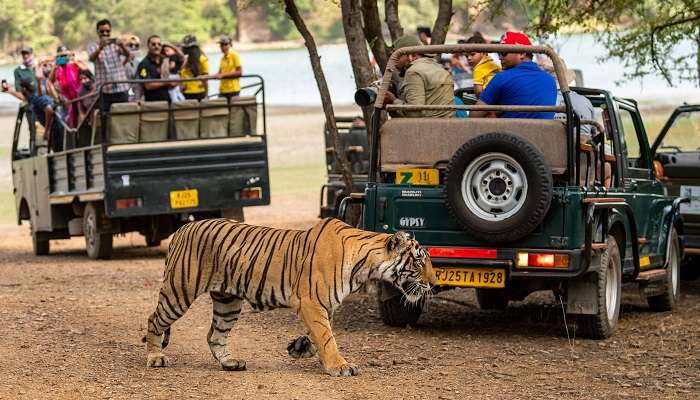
(71, 328)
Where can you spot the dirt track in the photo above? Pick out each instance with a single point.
(71, 328)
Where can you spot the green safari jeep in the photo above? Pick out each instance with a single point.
(513, 206)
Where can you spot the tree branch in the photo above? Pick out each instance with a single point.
(373, 32)
(442, 22)
(652, 38)
(291, 9)
(391, 12)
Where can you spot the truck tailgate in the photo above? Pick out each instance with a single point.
(185, 176)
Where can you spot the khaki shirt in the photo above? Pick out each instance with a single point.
(426, 83)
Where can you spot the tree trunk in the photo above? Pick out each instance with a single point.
(233, 5)
(373, 32)
(697, 56)
(355, 39)
(291, 9)
(442, 22)
(391, 12)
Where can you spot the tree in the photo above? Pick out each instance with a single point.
(293, 12)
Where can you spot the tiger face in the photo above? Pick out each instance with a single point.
(411, 270)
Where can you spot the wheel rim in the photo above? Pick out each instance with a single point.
(90, 230)
(675, 270)
(494, 186)
(611, 290)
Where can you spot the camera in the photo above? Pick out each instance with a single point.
(367, 95)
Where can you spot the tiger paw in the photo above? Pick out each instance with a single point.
(301, 347)
(231, 364)
(157, 360)
(346, 369)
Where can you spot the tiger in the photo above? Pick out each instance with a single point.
(310, 271)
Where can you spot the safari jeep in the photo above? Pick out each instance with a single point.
(513, 206)
(677, 164)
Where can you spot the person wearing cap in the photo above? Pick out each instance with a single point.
(27, 69)
(196, 65)
(108, 56)
(44, 111)
(64, 83)
(425, 82)
(230, 70)
(521, 83)
(580, 104)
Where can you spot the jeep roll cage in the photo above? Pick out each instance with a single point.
(573, 123)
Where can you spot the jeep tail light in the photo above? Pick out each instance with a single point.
(250, 194)
(129, 203)
(658, 169)
(542, 260)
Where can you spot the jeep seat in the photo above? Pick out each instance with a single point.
(423, 142)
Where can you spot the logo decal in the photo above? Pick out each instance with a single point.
(143, 73)
(412, 222)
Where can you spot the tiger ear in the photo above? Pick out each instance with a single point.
(398, 241)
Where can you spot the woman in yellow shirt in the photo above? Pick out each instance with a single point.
(196, 65)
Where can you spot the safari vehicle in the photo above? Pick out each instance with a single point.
(148, 167)
(677, 162)
(513, 206)
(352, 133)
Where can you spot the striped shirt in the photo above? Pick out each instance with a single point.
(109, 67)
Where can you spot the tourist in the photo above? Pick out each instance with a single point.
(196, 65)
(108, 56)
(230, 70)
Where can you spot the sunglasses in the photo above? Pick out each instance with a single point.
(105, 31)
(155, 44)
(503, 54)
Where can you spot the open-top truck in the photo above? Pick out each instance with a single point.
(513, 206)
(148, 167)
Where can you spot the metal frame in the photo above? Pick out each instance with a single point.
(680, 110)
(573, 147)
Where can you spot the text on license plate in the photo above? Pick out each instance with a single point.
(184, 198)
(471, 277)
(417, 176)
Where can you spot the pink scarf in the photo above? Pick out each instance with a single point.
(69, 84)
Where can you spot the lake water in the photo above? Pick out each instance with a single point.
(289, 79)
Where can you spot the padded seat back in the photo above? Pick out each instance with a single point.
(214, 118)
(124, 128)
(244, 116)
(407, 142)
(96, 127)
(154, 124)
(186, 120)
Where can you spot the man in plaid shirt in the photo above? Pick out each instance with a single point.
(110, 56)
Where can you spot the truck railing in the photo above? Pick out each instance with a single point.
(255, 89)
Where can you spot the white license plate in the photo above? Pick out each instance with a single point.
(693, 193)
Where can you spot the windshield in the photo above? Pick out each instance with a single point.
(684, 133)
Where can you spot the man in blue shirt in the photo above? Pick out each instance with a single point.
(44, 111)
(522, 83)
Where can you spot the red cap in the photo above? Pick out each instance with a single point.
(516, 38)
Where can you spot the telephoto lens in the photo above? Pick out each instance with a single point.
(365, 96)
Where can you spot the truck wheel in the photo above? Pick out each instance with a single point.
(491, 299)
(609, 291)
(393, 309)
(151, 242)
(499, 187)
(672, 289)
(40, 245)
(98, 245)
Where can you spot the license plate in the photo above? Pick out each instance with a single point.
(471, 277)
(184, 198)
(417, 176)
(693, 193)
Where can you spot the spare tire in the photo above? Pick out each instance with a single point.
(499, 187)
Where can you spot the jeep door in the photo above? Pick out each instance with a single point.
(639, 186)
(676, 152)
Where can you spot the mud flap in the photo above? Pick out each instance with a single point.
(582, 295)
